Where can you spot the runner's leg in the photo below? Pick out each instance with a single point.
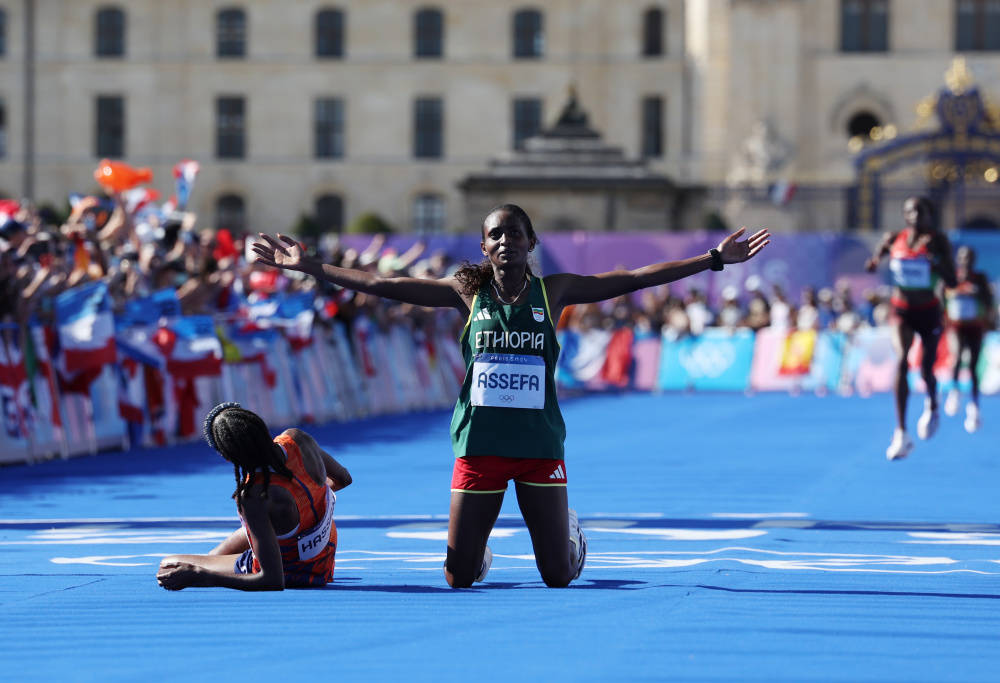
(235, 544)
(930, 343)
(545, 510)
(902, 339)
(975, 346)
(470, 521)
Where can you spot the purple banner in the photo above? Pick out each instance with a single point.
(791, 261)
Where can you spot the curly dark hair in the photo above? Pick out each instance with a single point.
(475, 276)
(241, 437)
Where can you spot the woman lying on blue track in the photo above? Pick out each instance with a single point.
(919, 259)
(507, 424)
(285, 497)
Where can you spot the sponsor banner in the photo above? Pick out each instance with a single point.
(989, 364)
(870, 362)
(717, 360)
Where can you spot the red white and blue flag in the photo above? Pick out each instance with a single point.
(140, 198)
(85, 327)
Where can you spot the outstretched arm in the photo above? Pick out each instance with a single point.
(286, 253)
(881, 250)
(567, 288)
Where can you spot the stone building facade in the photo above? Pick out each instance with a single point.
(334, 108)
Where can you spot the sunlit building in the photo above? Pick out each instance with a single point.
(750, 110)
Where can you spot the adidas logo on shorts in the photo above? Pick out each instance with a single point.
(559, 473)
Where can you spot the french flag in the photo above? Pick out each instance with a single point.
(782, 192)
(86, 327)
(185, 171)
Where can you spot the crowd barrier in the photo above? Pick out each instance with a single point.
(770, 359)
(161, 378)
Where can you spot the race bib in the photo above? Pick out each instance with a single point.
(314, 541)
(911, 273)
(507, 380)
(963, 307)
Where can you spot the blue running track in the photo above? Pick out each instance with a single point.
(731, 538)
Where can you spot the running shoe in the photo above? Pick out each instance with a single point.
(951, 403)
(579, 542)
(972, 421)
(900, 447)
(928, 422)
(487, 562)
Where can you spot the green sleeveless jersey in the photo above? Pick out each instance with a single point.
(508, 405)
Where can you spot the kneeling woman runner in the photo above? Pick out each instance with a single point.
(507, 424)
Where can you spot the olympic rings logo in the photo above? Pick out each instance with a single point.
(507, 398)
(708, 359)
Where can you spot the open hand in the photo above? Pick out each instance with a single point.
(737, 252)
(286, 253)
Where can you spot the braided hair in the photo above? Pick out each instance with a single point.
(475, 276)
(241, 437)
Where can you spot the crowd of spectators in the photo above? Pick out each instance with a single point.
(676, 314)
(140, 252)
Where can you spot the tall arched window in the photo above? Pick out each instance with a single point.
(652, 32)
(330, 33)
(230, 213)
(428, 33)
(529, 34)
(231, 33)
(864, 25)
(977, 25)
(330, 213)
(109, 32)
(428, 213)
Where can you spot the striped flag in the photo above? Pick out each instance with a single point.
(85, 328)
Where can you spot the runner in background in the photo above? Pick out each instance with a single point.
(919, 258)
(970, 312)
(507, 423)
(285, 497)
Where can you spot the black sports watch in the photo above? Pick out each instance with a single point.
(716, 259)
